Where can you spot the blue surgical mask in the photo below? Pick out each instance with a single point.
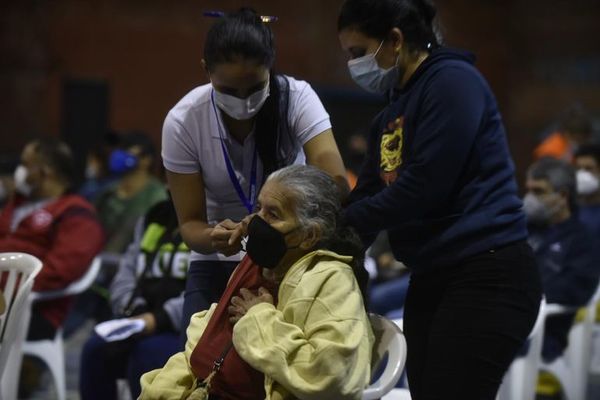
(370, 76)
(121, 162)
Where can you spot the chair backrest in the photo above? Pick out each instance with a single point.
(579, 350)
(520, 380)
(75, 287)
(17, 272)
(536, 336)
(389, 340)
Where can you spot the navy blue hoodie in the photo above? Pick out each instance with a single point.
(438, 175)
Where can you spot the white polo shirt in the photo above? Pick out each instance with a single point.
(191, 143)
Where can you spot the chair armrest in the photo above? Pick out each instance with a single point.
(47, 295)
(558, 309)
(74, 288)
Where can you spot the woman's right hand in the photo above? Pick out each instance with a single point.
(223, 239)
(240, 230)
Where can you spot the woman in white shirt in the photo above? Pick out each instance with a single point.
(222, 139)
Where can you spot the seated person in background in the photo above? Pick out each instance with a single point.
(567, 253)
(299, 320)
(387, 291)
(119, 207)
(574, 129)
(148, 285)
(46, 220)
(97, 174)
(356, 151)
(587, 162)
(136, 190)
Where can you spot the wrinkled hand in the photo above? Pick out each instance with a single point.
(240, 230)
(240, 305)
(221, 239)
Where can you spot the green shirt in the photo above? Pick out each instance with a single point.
(119, 215)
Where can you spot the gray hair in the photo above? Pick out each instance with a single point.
(315, 195)
(316, 198)
(560, 175)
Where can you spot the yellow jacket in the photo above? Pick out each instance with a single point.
(316, 344)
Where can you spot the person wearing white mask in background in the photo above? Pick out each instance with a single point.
(587, 162)
(222, 139)
(568, 255)
(46, 219)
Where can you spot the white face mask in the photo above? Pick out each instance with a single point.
(539, 211)
(20, 178)
(370, 76)
(241, 109)
(587, 183)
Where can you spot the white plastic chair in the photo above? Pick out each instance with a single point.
(520, 380)
(389, 340)
(572, 368)
(51, 351)
(19, 270)
(595, 352)
(398, 393)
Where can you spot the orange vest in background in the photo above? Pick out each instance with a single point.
(556, 146)
(351, 178)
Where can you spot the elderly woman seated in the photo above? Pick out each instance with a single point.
(293, 328)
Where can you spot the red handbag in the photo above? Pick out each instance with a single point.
(231, 377)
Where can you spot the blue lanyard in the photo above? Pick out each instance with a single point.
(250, 200)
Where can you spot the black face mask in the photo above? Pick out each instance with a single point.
(266, 245)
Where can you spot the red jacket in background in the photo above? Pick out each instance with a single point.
(65, 234)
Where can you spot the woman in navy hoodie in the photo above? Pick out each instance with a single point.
(439, 178)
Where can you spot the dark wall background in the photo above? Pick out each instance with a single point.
(538, 56)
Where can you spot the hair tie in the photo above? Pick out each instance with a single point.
(265, 19)
(268, 18)
(214, 14)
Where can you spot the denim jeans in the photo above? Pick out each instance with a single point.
(102, 363)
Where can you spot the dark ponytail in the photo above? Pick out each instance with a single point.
(274, 142)
(375, 18)
(243, 34)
